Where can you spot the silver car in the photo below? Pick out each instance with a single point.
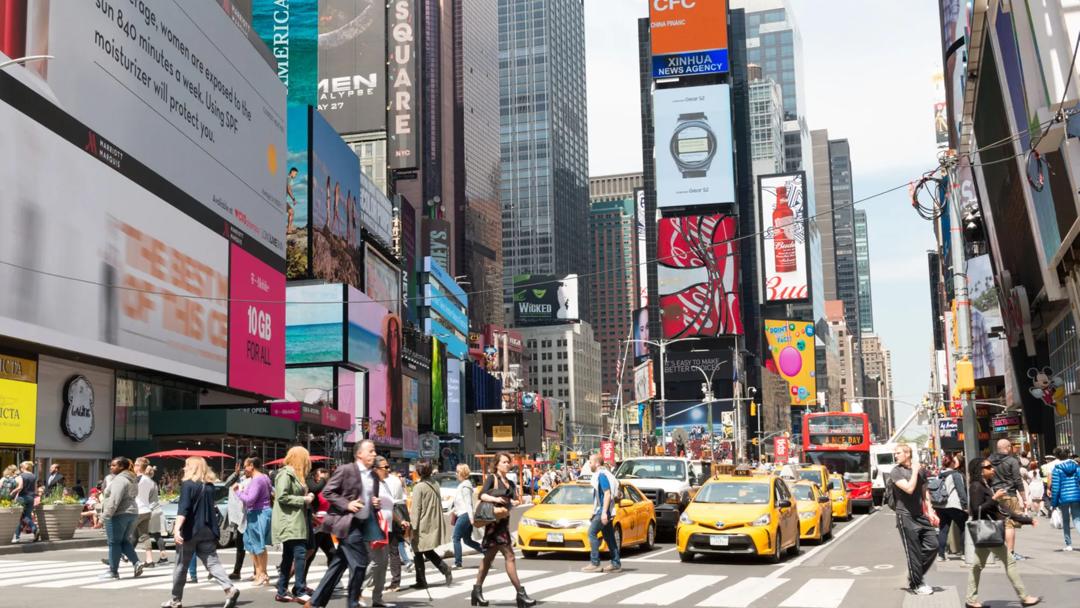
(228, 532)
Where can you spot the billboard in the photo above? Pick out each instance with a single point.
(644, 387)
(784, 242)
(641, 333)
(350, 401)
(176, 86)
(697, 273)
(454, 369)
(374, 343)
(641, 259)
(256, 325)
(336, 250)
(410, 412)
(314, 320)
(988, 353)
(438, 386)
(791, 344)
(352, 63)
(436, 240)
(376, 211)
(545, 300)
(403, 128)
(311, 385)
(298, 194)
(688, 37)
(291, 32)
(694, 157)
(382, 280)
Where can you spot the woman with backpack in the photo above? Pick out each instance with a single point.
(1065, 495)
(949, 498)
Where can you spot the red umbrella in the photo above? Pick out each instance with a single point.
(186, 453)
(274, 463)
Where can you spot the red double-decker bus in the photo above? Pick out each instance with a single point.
(841, 442)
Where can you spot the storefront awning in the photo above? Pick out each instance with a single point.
(220, 422)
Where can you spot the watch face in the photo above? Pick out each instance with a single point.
(693, 144)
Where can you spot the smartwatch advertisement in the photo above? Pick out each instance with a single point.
(694, 161)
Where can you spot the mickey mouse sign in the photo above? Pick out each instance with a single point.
(77, 421)
(1049, 389)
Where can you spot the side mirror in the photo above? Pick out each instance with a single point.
(824, 499)
(783, 504)
(832, 485)
(626, 503)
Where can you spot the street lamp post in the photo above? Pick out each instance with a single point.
(662, 345)
(708, 394)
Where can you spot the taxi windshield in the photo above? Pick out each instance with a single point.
(570, 495)
(803, 492)
(734, 493)
(811, 475)
(651, 469)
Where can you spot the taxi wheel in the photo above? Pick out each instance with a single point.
(618, 537)
(529, 554)
(650, 538)
(774, 558)
(686, 557)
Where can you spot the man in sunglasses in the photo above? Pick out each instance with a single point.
(915, 518)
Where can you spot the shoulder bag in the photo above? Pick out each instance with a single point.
(987, 532)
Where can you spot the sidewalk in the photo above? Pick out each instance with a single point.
(84, 537)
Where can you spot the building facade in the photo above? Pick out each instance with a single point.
(862, 273)
(544, 178)
(845, 343)
(766, 123)
(877, 366)
(614, 187)
(823, 197)
(564, 364)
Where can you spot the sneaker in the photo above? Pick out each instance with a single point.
(231, 597)
(149, 564)
(1018, 557)
(234, 576)
(303, 598)
(139, 569)
(613, 568)
(193, 579)
(592, 568)
(108, 576)
(458, 567)
(171, 604)
(1067, 548)
(284, 599)
(941, 558)
(924, 590)
(163, 560)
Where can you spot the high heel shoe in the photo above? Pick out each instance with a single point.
(523, 599)
(478, 596)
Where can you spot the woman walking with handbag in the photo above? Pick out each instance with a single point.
(462, 515)
(493, 512)
(429, 526)
(987, 527)
(256, 498)
(290, 524)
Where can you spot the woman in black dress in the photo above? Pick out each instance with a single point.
(499, 491)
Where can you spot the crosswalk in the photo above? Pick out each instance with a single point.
(628, 588)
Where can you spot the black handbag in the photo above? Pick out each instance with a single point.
(987, 532)
(484, 514)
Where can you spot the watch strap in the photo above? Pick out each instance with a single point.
(692, 116)
(693, 174)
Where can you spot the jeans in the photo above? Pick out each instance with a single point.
(403, 551)
(292, 552)
(920, 546)
(118, 534)
(191, 567)
(379, 560)
(27, 515)
(1003, 556)
(203, 546)
(608, 530)
(1070, 511)
(351, 556)
(463, 533)
(950, 516)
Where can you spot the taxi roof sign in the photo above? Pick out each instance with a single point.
(744, 471)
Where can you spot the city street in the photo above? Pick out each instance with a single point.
(863, 565)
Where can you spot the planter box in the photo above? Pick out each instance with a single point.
(9, 522)
(58, 522)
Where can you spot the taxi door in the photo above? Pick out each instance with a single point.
(625, 516)
(789, 516)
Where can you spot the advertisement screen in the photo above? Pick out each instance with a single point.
(988, 353)
(256, 325)
(791, 345)
(298, 194)
(19, 424)
(545, 300)
(177, 86)
(641, 333)
(688, 38)
(697, 272)
(314, 319)
(410, 403)
(376, 211)
(644, 387)
(335, 207)
(350, 400)
(438, 386)
(311, 385)
(382, 280)
(453, 395)
(291, 32)
(783, 213)
(151, 282)
(694, 161)
(403, 61)
(375, 344)
(352, 64)
(642, 249)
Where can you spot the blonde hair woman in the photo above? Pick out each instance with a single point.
(289, 523)
(196, 531)
(461, 514)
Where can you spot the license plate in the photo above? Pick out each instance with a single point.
(718, 541)
(554, 538)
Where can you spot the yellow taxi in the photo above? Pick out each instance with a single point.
(841, 498)
(815, 512)
(817, 473)
(560, 522)
(742, 514)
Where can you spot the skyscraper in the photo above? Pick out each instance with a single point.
(862, 267)
(476, 51)
(843, 228)
(766, 124)
(823, 196)
(544, 180)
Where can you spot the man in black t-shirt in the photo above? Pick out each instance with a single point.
(915, 518)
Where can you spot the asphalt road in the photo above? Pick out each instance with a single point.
(861, 566)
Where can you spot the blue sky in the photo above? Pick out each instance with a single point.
(866, 80)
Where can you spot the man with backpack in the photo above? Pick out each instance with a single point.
(1007, 477)
(907, 493)
(949, 497)
(606, 497)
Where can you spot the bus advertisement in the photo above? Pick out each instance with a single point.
(841, 442)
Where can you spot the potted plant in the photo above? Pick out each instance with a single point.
(10, 514)
(58, 516)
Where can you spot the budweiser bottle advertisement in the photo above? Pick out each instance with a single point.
(783, 243)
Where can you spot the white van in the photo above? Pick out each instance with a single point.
(881, 464)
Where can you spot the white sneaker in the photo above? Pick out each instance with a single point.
(924, 590)
(1067, 548)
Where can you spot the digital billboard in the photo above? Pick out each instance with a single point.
(641, 333)
(382, 280)
(791, 346)
(336, 245)
(352, 64)
(694, 158)
(454, 369)
(314, 320)
(256, 325)
(697, 273)
(689, 37)
(545, 300)
(291, 32)
(375, 343)
(311, 385)
(350, 400)
(783, 212)
(641, 258)
(298, 194)
(176, 86)
(644, 388)
(410, 404)
(988, 353)
(438, 386)
(376, 211)
(403, 128)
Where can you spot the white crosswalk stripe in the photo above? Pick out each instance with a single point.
(633, 588)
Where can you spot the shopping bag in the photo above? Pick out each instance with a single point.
(1056, 521)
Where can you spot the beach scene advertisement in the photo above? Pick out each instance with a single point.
(314, 315)
(297, 52)
(336, 248)
(375, 344)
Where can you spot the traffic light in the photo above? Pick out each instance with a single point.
(965, 376)
(753, 408)
(755, 441)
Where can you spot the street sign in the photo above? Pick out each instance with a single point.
(607, 451)
(429, 445)
(781, 448)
